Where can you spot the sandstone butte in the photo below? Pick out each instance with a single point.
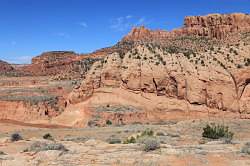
(199, 70)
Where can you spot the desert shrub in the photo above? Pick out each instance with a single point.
(247, 62)
(93, 123)
(235, 52)
(48, 136)
(116, 108)
(108, 122)
(121, 55)
(160, 133)
(188, 54)
(246, 148)
(114, 140)
(150, 144)
(76, 139)
(217, 131)
(2, 153)
(202, 63)
(140, 137)
(172, 49)
(16, 137)
(138, 57)
(43, 146)
(130, 140)
(211, 48)
(157, 63)
(231, 50)
(31, 99)
(239, 66)
(147, 132)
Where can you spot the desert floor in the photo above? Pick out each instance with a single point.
(181, 145)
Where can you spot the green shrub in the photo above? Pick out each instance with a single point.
(138, 57)
(239, 66)
(157, 63)
(150, 144)
(130, 140)
(108, 122)
(16, 137)
(217, 131)
(114, 141)
(48, 136)
(2, 153)
(235, 52)
(147, 132)
(140, 137)
(160, 133)
(246, 148)
(43, 146)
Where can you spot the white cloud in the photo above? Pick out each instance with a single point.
(20, 60)
(128, 16)
(127, 22)
(83, 24)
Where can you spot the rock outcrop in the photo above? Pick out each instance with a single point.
(216, 77)
(218, 26)
(199, 69)
(5, 67)
(60, 65)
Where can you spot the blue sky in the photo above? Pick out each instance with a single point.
(30, 27)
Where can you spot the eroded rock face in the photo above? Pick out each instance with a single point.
(194, 66)
(60, 65)
(217, 26)
(5, 67)
(201, 78)
(51, 63)
(25, 111)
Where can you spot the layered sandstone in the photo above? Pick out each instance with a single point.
(60, 65)
(217, 26)
(199, 82)
(192, 71)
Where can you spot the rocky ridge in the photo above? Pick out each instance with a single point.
(199, 68)
(5, 67)
(216, 77)
(218, 26)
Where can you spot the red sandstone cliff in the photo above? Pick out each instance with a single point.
(217, 26)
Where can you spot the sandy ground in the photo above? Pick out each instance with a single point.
(181, 145)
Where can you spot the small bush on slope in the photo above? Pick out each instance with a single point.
(146, 139)
(16, 137)
(150, 144)
(217, 131)
(246, 148)
(43, 146)
(48, 136)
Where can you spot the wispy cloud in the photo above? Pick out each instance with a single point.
(20, 60)
(127, 22)
(62, 34)
(128, 16)
(83, 24)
